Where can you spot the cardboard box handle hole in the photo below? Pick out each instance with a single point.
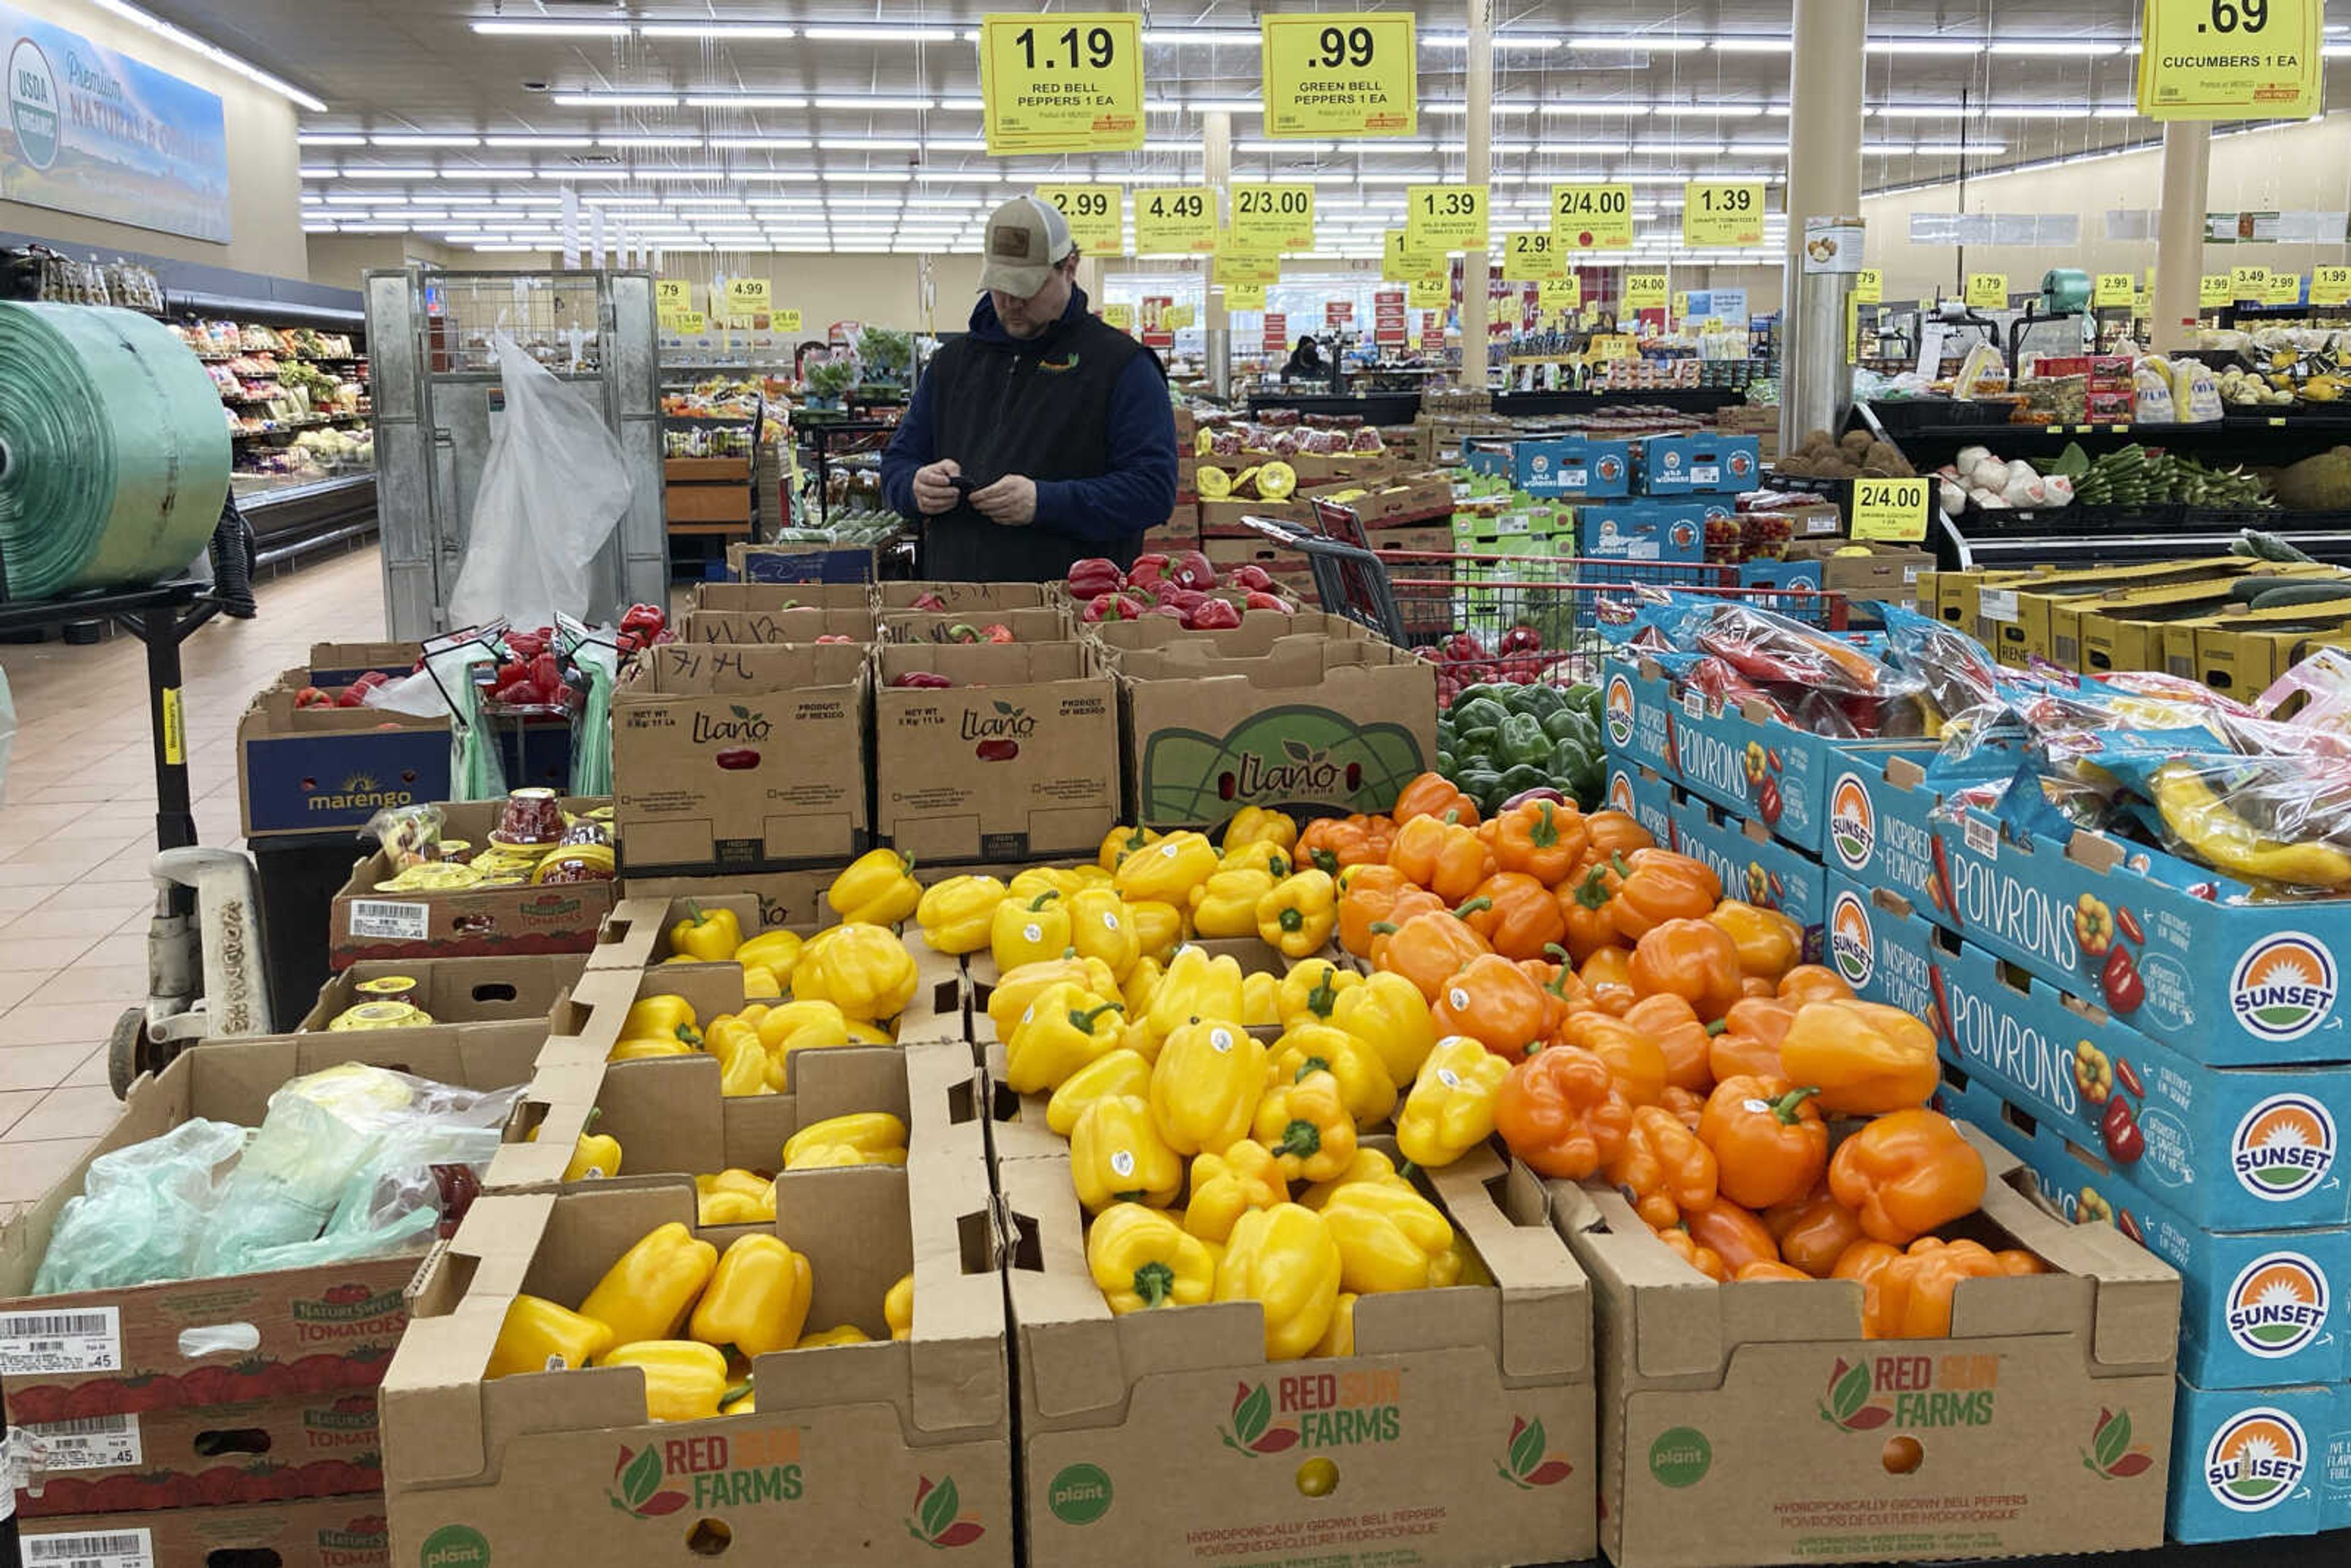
(219, 1339)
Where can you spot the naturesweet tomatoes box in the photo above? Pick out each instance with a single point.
(315, 1532)
(269, 1450)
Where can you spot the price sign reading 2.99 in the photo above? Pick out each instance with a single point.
(1325, 74)
(1092, 212)
(1442, 218)
(1067, 82)
(1719, 213)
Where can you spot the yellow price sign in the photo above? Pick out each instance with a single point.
(1560, 293)
(2212, 291)
(1429, 293)
(1094, 215)
(1401, 263)
(1530, 255)
(1067, 82)
(1987, 291)
(672, 294)
(2250, 283)
(1339, 73)
(1119, 316)
(1722, 212)
(2111, 288)
(1890, 509)
(1273, 218)
(1244, 295)
(785, 320)
(1240, 266)
(1439, 219)
(1611, 346)
(1175, 316)
(1868, 287)
(1644, 291)
(1592, 217)
(745, 294)
(2230, 59)
(1681, 305)
(1853, 328)
(688, 323)
(2330, 286)
(2285, 289)
(1175, 220)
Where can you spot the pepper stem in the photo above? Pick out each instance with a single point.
(1592, 892)
(1156, 1283)
(1785, 1106)
(1044, 898)
(1290, 920)
(1085, 1020)
(1464, 911)
(1544, 833)
(1325, 997)
(1312, 1065)
(1300, 1138)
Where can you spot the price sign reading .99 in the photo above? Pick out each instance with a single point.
(1273, 218)
(1325, 74)
(1067, 82)
(1722, 212)
(1592, 217)
(1443, 218)
(1175, 220)
(1092, 212)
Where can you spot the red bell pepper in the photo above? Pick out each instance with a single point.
(1190, 569)
(1094, 576)
(1171, 612)
(645, 620)
(1252, 577)
(2120, 978)
(920, 680)
(1213, 616)
(1111, 607)
(1521, 639)
(1149, 571)
(2126, 1145)
(836, 637)
(997, 632)
(1259, 599)
(926, 600)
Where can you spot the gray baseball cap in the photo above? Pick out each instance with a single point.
(1026, 237)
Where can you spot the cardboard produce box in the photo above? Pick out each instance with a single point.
(770, 598)
(1318, 724)
(1016, 760)
(474, 922)
(880, 1452)
(1884, 571)
(963, 598)
(1460, 1432)
(520, 989)
(740, 758)
(320, 1445)
(1753, 1423)
(315, 769)
(806, 623)
(1049, 623)
(1255, 637)
(322, 1532)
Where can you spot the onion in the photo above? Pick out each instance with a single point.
(1988, 500)
(2060, 490)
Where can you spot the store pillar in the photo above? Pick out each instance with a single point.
(1216, 142)
(1823, 180)
(1478, 81)
(2180, 234)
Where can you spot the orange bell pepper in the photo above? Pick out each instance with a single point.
(1768, 943)
(1756, 985)
(1705, 1259)
(1608, 835)
(1521, 917)
(1863, 1258)
(1656, 886)
(1906, 1173)
(1433, 795)
(1560, 1111)
(1607, 975)
(1331, 845)
(1768, 1136)
(1749, 1045)
(1664, 1171)
(1691, 960)
(1866, 1057)
(1366, 893)
(1632, 1058)
(1681, 1039)
(1584, 901)
(1812, 983)
(1563, 993)
(1430, 949)
(1493, 1002)
(1749, 1272)
(1735, 1234)
(1910, 1297)
(1685, 1105)
(1540, 838)
(1814, 1231)
(1444, 857)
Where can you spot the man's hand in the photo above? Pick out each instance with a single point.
(1012, 501)
(933, 494)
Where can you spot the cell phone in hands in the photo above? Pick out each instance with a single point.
(963, 484)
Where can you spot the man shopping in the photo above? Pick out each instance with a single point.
(1044, 436)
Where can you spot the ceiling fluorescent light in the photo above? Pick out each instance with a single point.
(548, 27)
(1649, 43)
(218, 56)
(2036, 111)
(876, 105)
(743, 100)
(1628, 109)
(406, 139)
(649, 142)
(615, 100)
(1923, 46)
(1708, 111)
(328, 139)
(1200, 36)
(873, 35)
(715, 30)
(2054, 47)
(1224, 104)
(538, 141)
(868, 144)
(761, 144)
(1918, 111)
(1753, 45)
(962, 105)
(392, 173)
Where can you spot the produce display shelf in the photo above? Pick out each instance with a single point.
(2269, 440)
(293, 425)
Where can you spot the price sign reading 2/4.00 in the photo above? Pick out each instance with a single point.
(1325, 74)
(1092, 212)
(1592, 217)
(1176, 220)
(1442, 218)
(1273, 218)
(1067, 82)
(1890, 509)
(1717, 212)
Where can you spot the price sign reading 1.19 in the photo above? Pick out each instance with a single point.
(1273, 218)
(1530, 255)
(1092, 212)
(2230, 59)
(1067, 82)
(1339, 73)
(1176, 220)
(1443, 218)
(1720, 213)
(1592, 217)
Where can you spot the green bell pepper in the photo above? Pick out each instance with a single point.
(1572, 759)
(1445, 763)
(1484, 691)
(1521, 740)
(1483, 714)
(1525, 776)
(1482, 785)
(1539, 700)
(1559, 725)
(1482, 739)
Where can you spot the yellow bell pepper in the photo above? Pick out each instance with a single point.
(1300, 914)
(1119, 1071)
(1205, 1085)
(656, 1018)
(1226, 1186)
(1390, 1238)
(759, 983)
(1364, 1083)
(1194, 987)
(863, 971)
(1306, 1127)
(1450, 1109)
(1027, 884)
(706, 936)
(1158, 927)
(1140, 982)
(733, 1196)
(1388, 1013)
(1121, 841)
(1257, 854)
(877, 888)
(1226, 903)
(1116, 1155)
(956, 915)
(1141, 1258)
(838, 1334)
(898, 1307)
(773, 951)
(1099, 927)
(1167, 871)
(1368, 1165)
(1260, 825)
(836, 1157)
(1063, 1030)
(540, 1336)
(1310, 991)
(686, 1380)
(1019, 988)
(798, 1026)
(593, 1154)
(1468, 1268)
(1028, 932)
(863, 1032)
(871, 1131)
(649, 1290)
(1339, 1339)
(742, 1060)
(1283, 1258)
(757, 1300)
(1086, 874)
(641, 1048)
(1260, 1000)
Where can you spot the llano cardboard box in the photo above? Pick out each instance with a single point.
(1253, 638)
(1318, 724)
(323, 1532)
(474, 922)
(1017, 759)
(740, 757)
(1753, 1423)
(1459, 1432)
(462, 991)
(884, 1452)
(271, 1450)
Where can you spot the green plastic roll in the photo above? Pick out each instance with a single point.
(114, 454)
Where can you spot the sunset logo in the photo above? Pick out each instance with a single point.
(1853, 821)
(1619, 712)
(2255, 1461)
(2283, 1147)
(1620, 793)
(1853, 945)
(2283, 987)
(2277, 1305)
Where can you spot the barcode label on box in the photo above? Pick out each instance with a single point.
(92, 1443)
(1996, 603)
(1982, 838)
(1694, 704)
(1828, 522)
(87, 1339)
(115, 1548)
(390, 922)
(1706, 475)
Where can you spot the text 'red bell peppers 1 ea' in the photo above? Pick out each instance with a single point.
(1864, 1058)
(1906, 1173)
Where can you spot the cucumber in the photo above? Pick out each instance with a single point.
(2245, 590)
(2285, 593)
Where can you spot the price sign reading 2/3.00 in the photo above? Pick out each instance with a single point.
(1333, 73)
(1067, 82)
(1717, 213)
(1273, 218)
(1442, 218)
(1094, 215)
(1175, 220)
(1592, 217)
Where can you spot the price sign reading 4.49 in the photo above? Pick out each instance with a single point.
(1176, 220)
(1339, 73)
(1092, 212)
(2230, 59)
(1443, 218)
(1067, 82)
(1530, 255)
(1592, 217)
(1273, 218)
(1719, 213)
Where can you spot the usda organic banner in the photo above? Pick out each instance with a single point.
(95, 132)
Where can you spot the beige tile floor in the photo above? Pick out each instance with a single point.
(78, 827)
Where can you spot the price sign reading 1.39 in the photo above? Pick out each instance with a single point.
(1442, 218)
(1592, 217)
(1720, 213)
(2230, 59)
(1092, 212)
(1067, 82)
(1273, 218)
(1333, 73)
(1175, 220)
